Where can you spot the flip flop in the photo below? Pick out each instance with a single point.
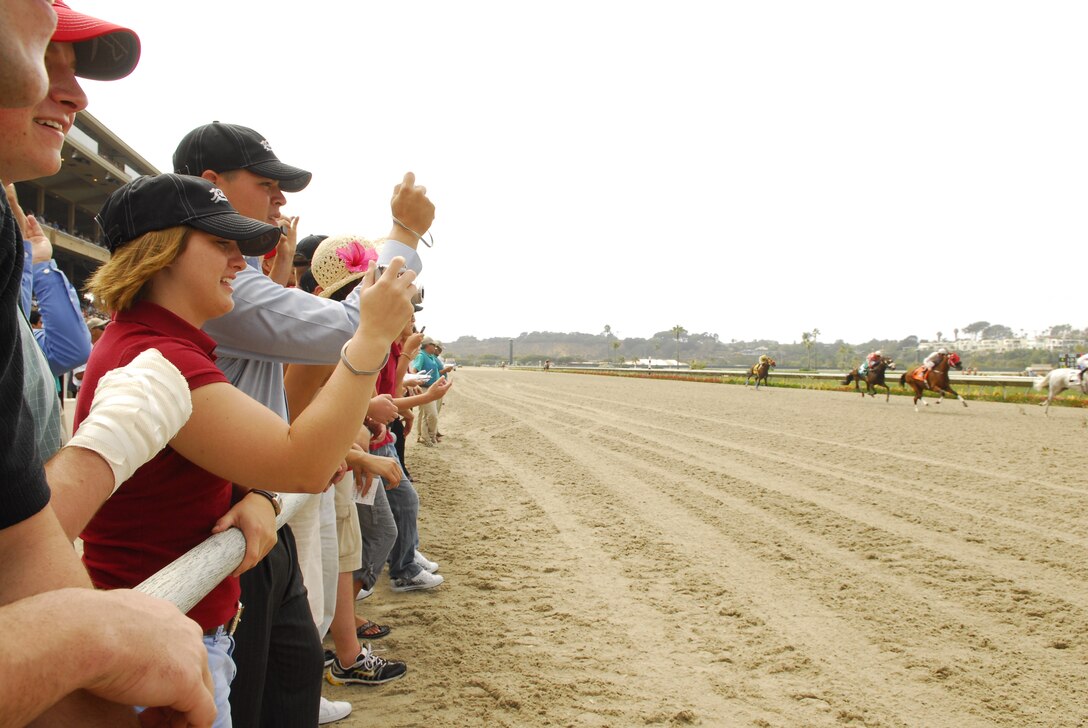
(371, 631)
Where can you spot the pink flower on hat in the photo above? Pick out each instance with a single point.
(356, 258)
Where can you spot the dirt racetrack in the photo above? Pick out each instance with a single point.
(625, 552)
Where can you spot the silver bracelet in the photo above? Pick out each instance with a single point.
(429, 244)
(353, 370)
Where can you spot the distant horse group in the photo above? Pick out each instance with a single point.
(934, 380)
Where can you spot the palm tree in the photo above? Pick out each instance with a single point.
(815, 350)
(607, 331)
(678, 331)
(806, 339)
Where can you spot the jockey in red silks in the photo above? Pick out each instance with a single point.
(870, 361)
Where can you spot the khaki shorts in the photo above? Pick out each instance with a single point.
(348, 536)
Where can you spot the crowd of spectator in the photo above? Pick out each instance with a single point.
(221, 363)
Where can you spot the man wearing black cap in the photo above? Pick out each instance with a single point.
(271, 326)
(304, 255)
(155, 664)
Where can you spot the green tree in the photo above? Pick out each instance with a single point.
(1060, 331)
(976, 328)
(997, 331)
(678, 331)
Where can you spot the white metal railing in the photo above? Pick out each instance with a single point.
(954, 377)
(196, 572)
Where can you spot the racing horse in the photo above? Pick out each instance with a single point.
(760, 371)
(872, 378)
(1059, 380)
(936, 380)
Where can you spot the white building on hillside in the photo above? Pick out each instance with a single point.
(1000, 346)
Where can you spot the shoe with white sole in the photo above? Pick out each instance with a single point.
(425, 563)
(363, 594)
(369, 669)
(422, 580)
(332, 711)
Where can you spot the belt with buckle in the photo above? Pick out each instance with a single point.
(230, 626)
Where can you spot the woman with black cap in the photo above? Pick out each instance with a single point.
(177, 244)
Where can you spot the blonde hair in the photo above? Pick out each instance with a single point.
(122, 281)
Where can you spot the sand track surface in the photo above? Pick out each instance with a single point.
(624, 552)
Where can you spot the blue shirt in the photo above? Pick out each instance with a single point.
(64, 336)
(425, 362)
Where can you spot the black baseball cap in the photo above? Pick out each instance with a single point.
(226, 147)
(167, 200)
(304, 251)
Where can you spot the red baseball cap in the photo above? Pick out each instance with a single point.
(105, 51)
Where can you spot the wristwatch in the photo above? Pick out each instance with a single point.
(273, 498)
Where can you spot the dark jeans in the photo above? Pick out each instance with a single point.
(277, 649)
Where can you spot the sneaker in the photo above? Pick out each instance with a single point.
(332, 711)
(363, 594)
(330, 657)
(423, 580)
(369, 669)
(425, 563)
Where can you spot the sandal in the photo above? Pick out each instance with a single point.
(371, 631)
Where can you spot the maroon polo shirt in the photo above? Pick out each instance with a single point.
(169, 505)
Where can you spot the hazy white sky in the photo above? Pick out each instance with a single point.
(750, 169)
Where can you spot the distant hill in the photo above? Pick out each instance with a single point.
(708, 350)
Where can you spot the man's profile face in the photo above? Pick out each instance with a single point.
(250, 194)
(33, 135)
(27, 27)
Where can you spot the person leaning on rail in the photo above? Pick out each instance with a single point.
(160, 662)
(271, 326)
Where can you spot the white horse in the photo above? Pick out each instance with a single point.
(1059, 380)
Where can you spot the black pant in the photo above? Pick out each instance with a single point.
(397, 428)
(277, 649)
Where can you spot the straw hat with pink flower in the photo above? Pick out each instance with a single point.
(341, 260)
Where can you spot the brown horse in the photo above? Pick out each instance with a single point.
(759, 371)
(936, 380)
(873, 378)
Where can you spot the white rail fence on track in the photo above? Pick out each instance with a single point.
(892, 377)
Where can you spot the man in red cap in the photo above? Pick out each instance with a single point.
(28, 27)
(122, 646)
